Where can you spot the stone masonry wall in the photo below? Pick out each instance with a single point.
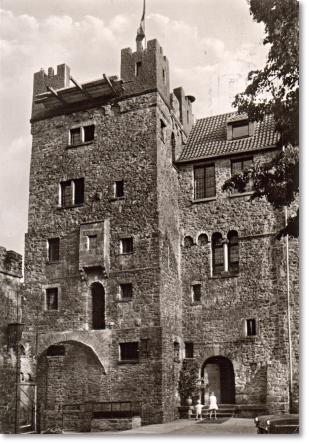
(215, 325)
(10, 312)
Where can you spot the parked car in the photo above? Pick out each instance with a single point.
(278, 424)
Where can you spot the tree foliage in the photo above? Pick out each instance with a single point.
(188, 380)
(275, 89)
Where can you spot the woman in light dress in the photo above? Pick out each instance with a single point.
(213, 406)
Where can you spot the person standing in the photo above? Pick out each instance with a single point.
(213, 406)
(198, 410)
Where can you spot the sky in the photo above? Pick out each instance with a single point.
(211, 46)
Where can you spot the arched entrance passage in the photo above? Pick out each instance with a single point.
(69, 375)
(98, 306)
(218, 371)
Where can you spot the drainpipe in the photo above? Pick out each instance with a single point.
(288, 307)
(289, 312)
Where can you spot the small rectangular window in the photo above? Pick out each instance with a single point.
(240, 129)
(66, 194)
(92, 242)
(75, 136)
(189, 351)
(176, 351)
(52, 299)
(88, 133)
(204, 182)
(129, 351)
(78, 191)
(119, 188)
(138, 68)
(126, 245)
(196, 293)
(251, 327)
(53, 249)
(126, 291)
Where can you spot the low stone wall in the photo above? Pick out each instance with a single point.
(113, 424)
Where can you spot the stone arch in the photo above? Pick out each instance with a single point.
(202, 239)
(218, 372)
(188, 242)
(71, 378)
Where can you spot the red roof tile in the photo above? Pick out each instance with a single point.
(208, 137)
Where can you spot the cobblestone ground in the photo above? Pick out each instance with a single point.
(233, 426)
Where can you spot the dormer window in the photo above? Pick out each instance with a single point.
(240, 129)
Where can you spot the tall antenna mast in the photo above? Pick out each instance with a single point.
(141, 30)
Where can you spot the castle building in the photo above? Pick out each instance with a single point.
(136, 260)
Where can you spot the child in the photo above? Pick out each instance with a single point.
(198, 410)
(213, 406)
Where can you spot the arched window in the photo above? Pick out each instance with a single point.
(233, 252)
(202, 239)
(217, 253)
(188, 242)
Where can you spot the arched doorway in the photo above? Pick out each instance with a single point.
(218, 372)
(98, 306)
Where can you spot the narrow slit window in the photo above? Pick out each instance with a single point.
(138, 68)
(53, 249)
(217, 254)
(52, 299)
(162, 130)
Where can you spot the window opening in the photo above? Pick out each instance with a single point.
(126, 291)
(189, 350)
(138, 68)
(202, 239)
(240, 129)
(129, 351)
(92, 241)
(53, 249)
(52, 298)
(188, 242)
(126, 245)
(196, 292)
(204, 182)
(251, 327)
(217, 253)
(176, 351)
(88, 133)
(162, 130)
(75, 136)
(119, 188)
(233, 252)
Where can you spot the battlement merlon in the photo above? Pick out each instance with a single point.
(10, 263)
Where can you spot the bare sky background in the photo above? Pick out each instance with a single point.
(211, 45)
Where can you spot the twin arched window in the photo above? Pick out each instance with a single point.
(225, 253)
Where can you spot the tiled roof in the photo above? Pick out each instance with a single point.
(208, 137)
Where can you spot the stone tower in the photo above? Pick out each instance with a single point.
(102, 257)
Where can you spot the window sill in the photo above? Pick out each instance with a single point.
(80, 144)
(224, 275)
(52, 262)
(126, 254)
(128, 361)
(250, 338)
(206, 199)
(125, 300)
(71, 206)
(245, 193)
(112, 199)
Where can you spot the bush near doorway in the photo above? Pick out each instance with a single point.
(188, 380)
